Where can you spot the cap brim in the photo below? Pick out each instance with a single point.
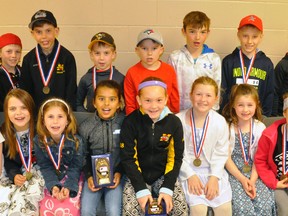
(149, 39)
(32, 23)
(94, 41)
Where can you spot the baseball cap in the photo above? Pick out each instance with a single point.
(9, 38)
(150, 34)
(43, 15)
(102, 37)
(251, 20)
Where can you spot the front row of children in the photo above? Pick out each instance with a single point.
(150, 143)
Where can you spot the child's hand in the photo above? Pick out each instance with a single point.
(55, 192)
(143, 201)
(63, 194)
(91, 185)
(195, 186)
(248, 187)
(282, 184)
(211, 189)
(19, 180)
(168, 201)
(116, 180)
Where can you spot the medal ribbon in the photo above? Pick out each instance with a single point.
(246, 156)
(45, 80)
(26, 163)
(95, 77)
(247, 74)
(198, 146)
(284, 148)
(56, 161)
(9, 77)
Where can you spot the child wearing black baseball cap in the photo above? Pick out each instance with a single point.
(102, 51)
(10, 55)
(49, 69)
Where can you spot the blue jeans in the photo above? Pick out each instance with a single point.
(112, 199)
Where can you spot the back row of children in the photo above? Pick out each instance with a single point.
(50, 70)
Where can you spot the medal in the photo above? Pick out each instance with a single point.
(246, 150)
(198, 145)
(245, 74)
(94, 76)
(46, 80)
(56, 160)
(246, 168)
(26, 161)
(197, 162)
(28, 175)
(46, 90)
(58, 173)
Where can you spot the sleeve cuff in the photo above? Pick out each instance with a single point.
(166, 191)
(142, 193)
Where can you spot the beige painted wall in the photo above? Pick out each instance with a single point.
(79, 20)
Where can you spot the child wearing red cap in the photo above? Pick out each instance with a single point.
(49, 69)
(10, 55)
(248, 64)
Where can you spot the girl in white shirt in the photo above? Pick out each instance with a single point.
(203, 177)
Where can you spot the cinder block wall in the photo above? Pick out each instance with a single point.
(124, 19)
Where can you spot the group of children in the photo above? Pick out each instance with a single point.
(188, 162)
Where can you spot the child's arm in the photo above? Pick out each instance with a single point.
(47, 169)
(1, 157)
(268, 94)
(246, 183)
(74, 170)
(261, 162)
(130, 94)
(25, 81)
(175, 155)
(71, 81)
(128, 155)
(174, 100)
(81, 95)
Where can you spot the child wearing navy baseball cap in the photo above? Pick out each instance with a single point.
(49, 69)
(10, 55)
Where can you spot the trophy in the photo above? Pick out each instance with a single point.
(102, 170)
(155, 209)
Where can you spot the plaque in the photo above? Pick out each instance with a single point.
(197, 162)
(46, 90)
(155, 209)
(246, 168)
(102, 170)
(28, 175)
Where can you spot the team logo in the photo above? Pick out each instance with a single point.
(40, 14)
(165, 137)
(60, 68)
(148, 32)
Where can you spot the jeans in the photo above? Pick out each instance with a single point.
(112, 199)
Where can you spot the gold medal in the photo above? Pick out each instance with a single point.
(28, 175)
(197, 162)
(246, 168)
(46, 90)
(58, 172)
